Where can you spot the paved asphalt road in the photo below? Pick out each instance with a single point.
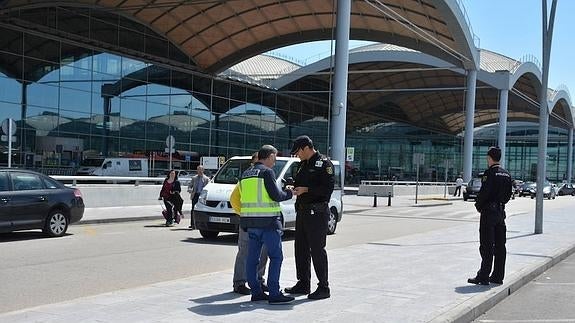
(99, 258)
(548, 298)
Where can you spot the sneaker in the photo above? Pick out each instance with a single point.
(242, 289)
(281, 299)
(260, 297)
(478, 281)
(298, 288)
(320, 293)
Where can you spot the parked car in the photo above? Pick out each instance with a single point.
(214, 214)
(566, 189)
(525, 189)
(472, 189)
(30, 200)
(517, 186)
(548, 190)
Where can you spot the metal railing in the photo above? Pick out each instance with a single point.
(404, 183)
(74, 180)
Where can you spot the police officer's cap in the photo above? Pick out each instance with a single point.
(494, 153)
(301, 142)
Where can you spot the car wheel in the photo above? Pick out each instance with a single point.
(209, 234)
(332, 222)
(56, 224)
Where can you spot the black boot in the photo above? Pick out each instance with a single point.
(478, 281)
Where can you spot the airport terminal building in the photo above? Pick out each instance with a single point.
(116, 78)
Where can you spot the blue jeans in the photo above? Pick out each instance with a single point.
(272, 240)
(242, 257)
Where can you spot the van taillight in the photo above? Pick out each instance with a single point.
(77, 193)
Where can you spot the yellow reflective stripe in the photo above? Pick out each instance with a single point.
(252, 205)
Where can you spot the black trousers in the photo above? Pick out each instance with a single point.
(492, 237)
(457, 190)
(310, 237)
(195, 199)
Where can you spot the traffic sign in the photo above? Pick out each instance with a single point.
(170, 141)
(8, 125)
(5, 138)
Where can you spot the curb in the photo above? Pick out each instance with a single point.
(435, 204)
(466, 312)
(116, 220)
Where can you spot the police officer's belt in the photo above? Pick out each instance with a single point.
(310, 206)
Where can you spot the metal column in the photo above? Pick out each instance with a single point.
(469, 125)
(570, 156)
(543, 114)
(503, 100)
(339, 102)
(106, 123)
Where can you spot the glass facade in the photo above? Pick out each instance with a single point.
(73, 101)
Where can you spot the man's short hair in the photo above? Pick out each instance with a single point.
(266, 151)
(301, 142)
(494, 153)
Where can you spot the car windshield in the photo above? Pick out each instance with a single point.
(476, 182)
(231, 171)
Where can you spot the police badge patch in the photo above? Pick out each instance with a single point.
(329, 170)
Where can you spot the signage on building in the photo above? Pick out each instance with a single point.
(349, 153)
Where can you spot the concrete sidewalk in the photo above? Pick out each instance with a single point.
(415, 278)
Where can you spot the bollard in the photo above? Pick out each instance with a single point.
(374, 199)
(389, 199)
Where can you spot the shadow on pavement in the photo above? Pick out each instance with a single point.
(228, 240)
(470, 289)
(245, 306)
(227, 296)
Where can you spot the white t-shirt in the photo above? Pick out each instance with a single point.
(459, 181)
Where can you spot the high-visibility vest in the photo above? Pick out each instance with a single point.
(255, 200)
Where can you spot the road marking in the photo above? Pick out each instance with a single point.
(90, 231)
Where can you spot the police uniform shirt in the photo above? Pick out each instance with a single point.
(496, 187)
(316, 174)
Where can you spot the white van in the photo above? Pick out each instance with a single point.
(214, 214)
(128, 167)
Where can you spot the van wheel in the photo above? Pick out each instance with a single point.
(209, 234)
(332, 222)
(56, 224)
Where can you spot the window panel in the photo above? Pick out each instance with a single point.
(10, 90)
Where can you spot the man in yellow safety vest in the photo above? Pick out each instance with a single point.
(260, 216)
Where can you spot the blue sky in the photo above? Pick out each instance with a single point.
(509, 27)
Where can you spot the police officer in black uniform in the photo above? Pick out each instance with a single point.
(496, 186)
(314, 184)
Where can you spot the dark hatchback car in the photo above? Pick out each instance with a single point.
(566, 189)
(472, 189)
(30, 200)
